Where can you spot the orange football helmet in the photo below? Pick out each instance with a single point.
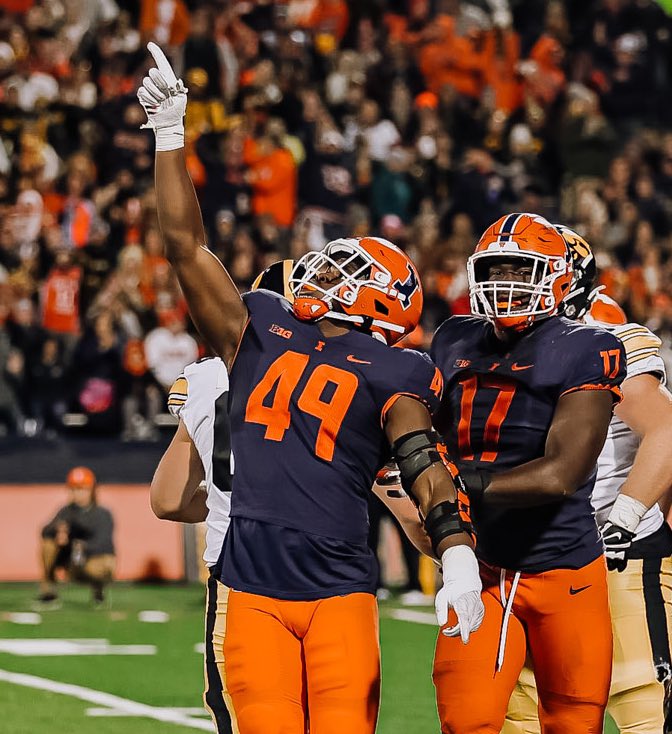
(604, 310)
(515, 304)
(378, 287)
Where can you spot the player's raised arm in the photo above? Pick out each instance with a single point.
(425, 475)
(214, 302)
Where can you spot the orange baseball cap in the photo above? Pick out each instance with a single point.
(427, 99)
(81, 477)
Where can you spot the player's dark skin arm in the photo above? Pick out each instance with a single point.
(435, 484)
(214, 302)
(575, 440)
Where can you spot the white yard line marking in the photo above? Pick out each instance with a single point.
(131, 708)
(409, 615)
(187, 711)
(29, 647)
(23, 617)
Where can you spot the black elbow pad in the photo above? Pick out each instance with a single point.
(415, 452)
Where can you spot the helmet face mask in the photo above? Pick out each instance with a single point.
(353, 267)
(509, 297)
(359, 281)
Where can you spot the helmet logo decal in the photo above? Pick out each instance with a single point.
(407, 288)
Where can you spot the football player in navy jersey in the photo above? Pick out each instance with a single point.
(527, 403)
(634, 472)
(317, 402)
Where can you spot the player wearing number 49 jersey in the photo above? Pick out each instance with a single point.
(318, 400)
(527, 402)
(200, 456)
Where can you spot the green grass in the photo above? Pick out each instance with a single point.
(172, 677)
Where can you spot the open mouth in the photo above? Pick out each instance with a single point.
(517, 302)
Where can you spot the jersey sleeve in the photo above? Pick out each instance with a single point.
(598, 363)
(420, 378)
(177, 397)
(642, 351)
(442, 339)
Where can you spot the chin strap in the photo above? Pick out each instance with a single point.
(307, 308)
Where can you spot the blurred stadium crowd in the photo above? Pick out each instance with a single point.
(418, 120)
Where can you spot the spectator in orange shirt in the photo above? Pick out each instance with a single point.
(455, 52)
(273, 177)
(544, 77)
(329, 17)
(165, 22)
(153, 261)
(79, 213)
(60, 300)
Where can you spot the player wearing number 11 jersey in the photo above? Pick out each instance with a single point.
(527, 402)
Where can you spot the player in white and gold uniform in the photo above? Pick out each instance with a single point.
(193, 484)
(634, 472)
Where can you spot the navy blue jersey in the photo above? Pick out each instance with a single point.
(307, 436)
(498, 405)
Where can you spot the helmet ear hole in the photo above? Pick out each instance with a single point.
(381, 308)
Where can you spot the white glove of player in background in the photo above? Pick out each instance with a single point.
(164, 98)
(461, 591)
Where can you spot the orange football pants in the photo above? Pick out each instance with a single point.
(291, 665)
(562, 618)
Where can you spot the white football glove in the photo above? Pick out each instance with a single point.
(461, 591)
(164, 98)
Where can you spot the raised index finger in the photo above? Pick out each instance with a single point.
(162, 64)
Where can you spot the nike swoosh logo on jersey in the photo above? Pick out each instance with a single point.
(573, 591)
(515, 367)
(351, 358)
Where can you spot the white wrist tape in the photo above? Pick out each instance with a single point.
(170, 137)
(627, 512)
(459, 557)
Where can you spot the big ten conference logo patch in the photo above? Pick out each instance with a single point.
(280, 331)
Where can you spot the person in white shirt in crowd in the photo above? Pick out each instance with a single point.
(169, 348)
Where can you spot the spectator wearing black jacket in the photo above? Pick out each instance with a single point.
(78, 539)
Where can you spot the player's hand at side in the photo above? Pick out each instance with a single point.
(164, 98)
(461, 591)
(620, 529)
(617, 542)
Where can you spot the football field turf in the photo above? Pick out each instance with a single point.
(79, 671)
